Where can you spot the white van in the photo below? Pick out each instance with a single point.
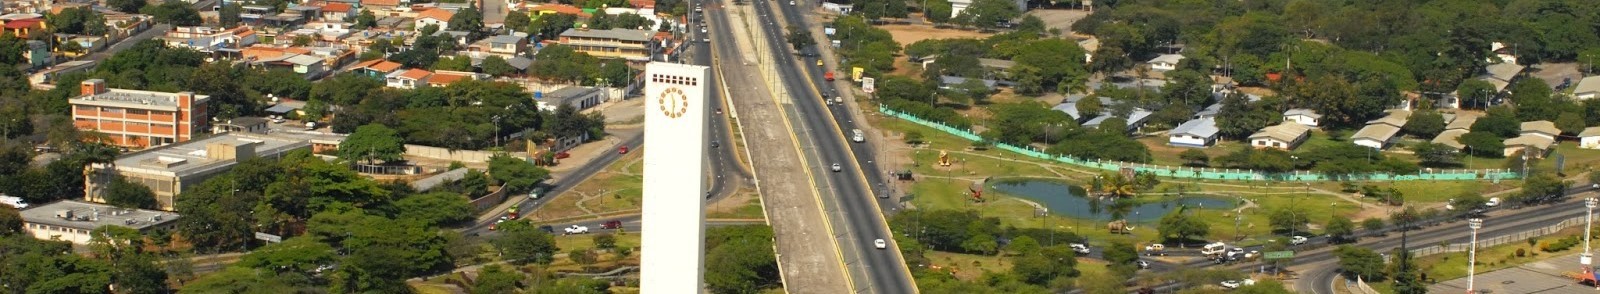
(14, 201)
(857, 136)
(1214, 249)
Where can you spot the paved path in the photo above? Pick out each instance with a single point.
(1544, 276)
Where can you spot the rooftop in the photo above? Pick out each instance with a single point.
(1302, 112)
(192, 157)
(505, 39)
(439, 14)
(1167, 58)
(1202, 127)
(568, 93)
(1590, 84)
(380, 65)
(1285, 131)
(415, 74)
(1541, 126)
(1451, 138)
(1504, 71)
(1462, 121)
(1379, 132)
(1526, 140)
(618, 34)
(89, 215)
(134, 99)
(1590, 132)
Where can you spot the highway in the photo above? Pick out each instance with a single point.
(852, 187)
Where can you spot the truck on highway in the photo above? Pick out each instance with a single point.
(857, 136)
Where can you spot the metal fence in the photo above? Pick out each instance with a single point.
(1499, 240)
(1213, 173)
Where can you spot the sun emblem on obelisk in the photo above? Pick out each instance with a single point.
(673, 102)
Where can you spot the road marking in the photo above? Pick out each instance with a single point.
(811, 81)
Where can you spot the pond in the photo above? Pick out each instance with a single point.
(1068, 200)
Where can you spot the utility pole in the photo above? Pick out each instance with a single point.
(1472, 258)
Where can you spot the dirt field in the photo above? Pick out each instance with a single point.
(1060, 18)
(907, 34)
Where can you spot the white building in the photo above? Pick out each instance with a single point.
(1303, 116)
(1535, 145)
(1285, 135)
(1165, 62)
(1194, 133)
(71, 221)
(407, 79)
(1589, 138)
(437, 16)
(1587, 88)
(1542, 128)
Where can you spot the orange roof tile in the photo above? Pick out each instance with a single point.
(386, 66)
(439, 14)
(416, 74)
(336, 6)
(381, 2)
(444, 78)
(642, 3)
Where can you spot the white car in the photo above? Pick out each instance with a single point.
(1493, 201)
(837, 168)
(1235, 284)
(1297, 240)
(791, 2)
(1142, 264)
(577, 229)
(880, 244)
(1079, 248)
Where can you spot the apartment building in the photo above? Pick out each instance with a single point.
(139, 119)
(633, 45)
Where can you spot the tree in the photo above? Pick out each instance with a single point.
(1406, 275)
(122, 193)
(1265, 286)
(434, 209)
(126, 6)
(1023, 245)
(1425, 124)
(132, 269)
(632, 21)
(1288, 220)
(517, 21)
(11, 48)
(496, 66)
(1468, 202)
(366, 19)
(605, 241)
(173, 12)
(1437, 155)
(229, 17)
(1540, 186)
(298, 255)
(1372, 224)
(468, 20)
(517, 174)
(1194, 157)
(739, 259)
(1047, 264)
(1339, 228)
(800, 38)
(1483, 144)
(988, 13)
(937, 11)
(1570, 123)
(1179, 226)
(495, 279)
(1240, 117)
(1475, 93)
(10, 221)
(77, 21)
(1360, 262)
(981, 243)
(583, 256)
(372, 142)
(1532, 98)
(1121, 253)
(521, 243)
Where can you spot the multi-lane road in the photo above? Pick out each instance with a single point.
(829, 124)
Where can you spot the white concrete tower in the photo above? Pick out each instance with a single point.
(673, 257)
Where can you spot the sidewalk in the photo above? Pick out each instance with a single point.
(1544, 276)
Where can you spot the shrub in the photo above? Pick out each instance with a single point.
(1522, 252)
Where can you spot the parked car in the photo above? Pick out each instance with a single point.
(577, 229)
(1142, 264)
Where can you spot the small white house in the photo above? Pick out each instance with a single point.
(1165, 62)
(1285, 135)
(1589, 138)
(1376, 136)
(1542, 128)
(1587, 88)
(1535, 145)
(1303, 116)
(1198, 133)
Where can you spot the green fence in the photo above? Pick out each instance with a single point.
(1213, 173)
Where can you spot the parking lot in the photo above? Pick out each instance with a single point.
(1545, 276)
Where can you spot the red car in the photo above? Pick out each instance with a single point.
(611, 225)
(563, 155)
(622, 150)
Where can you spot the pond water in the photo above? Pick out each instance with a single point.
(1068, 200)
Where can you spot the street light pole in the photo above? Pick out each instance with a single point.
(1472, 257)
(1588, 224)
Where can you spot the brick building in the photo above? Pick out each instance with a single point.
(139, 119)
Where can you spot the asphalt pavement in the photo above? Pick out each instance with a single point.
(852, 185)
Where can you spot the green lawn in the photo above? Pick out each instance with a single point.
(569, 242)
(1423, 192)
(621, 183)
(751, 209)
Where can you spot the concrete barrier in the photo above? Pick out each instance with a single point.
(489, 201)
(440, 153)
